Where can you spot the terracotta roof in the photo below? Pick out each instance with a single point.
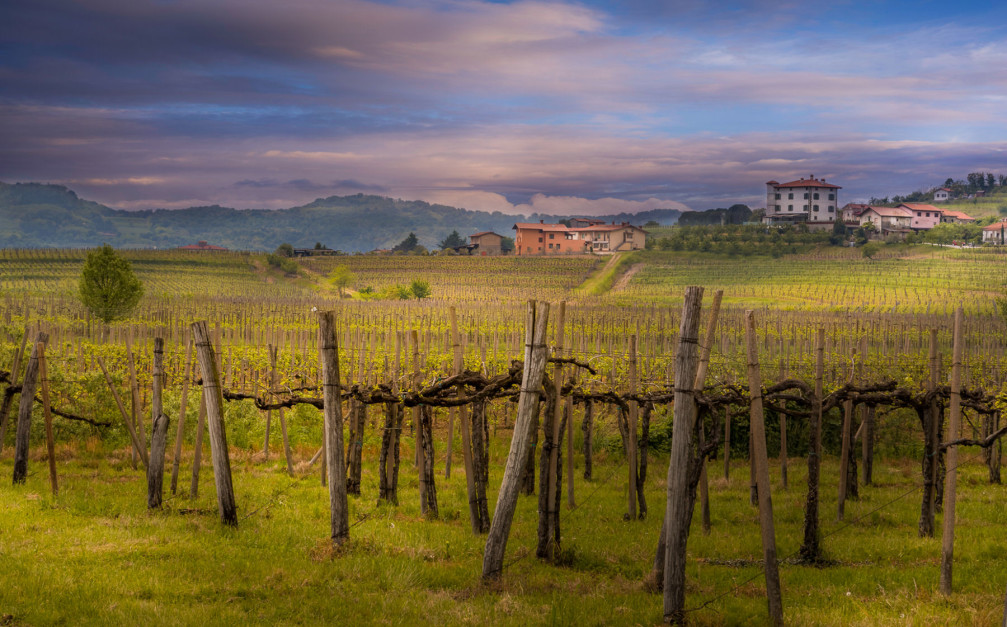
(809, 182)
(538, 226)
(891, 212)
(944, 189)
(915, 206)
(996, 226)
(959, 215)
(481, 233)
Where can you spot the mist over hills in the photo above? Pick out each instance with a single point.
(42, 215)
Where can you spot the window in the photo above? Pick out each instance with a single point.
(552, 236)
(777, 196)
(540, 240)
(790, 207)
(919, 214)
(816, 195)
(831, 208)
(928, 214)
(790, 196)
(832, 196)
(816, 207)
(571, 236)
(805, 195)
(629, 234)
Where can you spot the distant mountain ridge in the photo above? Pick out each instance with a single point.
(35, 215)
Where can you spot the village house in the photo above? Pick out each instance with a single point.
(925, 217)
(485, 243)
(942, 195)
(808, 201)
(887, 220)
(851, 212)
(995, 233)
(558, 239)
(956, 217)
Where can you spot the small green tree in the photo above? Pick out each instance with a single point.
(407, 245)
(454, 240)
(108, 287)
(341, 278)
(285, 250)
(870, 249)
(420, 289)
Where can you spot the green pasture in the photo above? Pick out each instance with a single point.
(95, 555)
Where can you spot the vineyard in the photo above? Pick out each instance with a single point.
(443, 429)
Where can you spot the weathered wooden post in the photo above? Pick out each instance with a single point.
(811, 548)
(158, 431)
(536, 354)
(631, 424)
(214, 399)
(677, 512)
(549, 499)
(180, 432)
(931, 447)
(24, 411)
(138, 451)
(951, 476)
(470, 480)
(332, 411)
(844, 456)
(197, 448)
(773, 593)
(50, 444)
(704, 365)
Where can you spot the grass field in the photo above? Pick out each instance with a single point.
(94, 555)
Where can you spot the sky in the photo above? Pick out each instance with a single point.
(558, 107)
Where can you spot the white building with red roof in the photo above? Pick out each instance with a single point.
(942, 195)
(995, 233)
(808, 201)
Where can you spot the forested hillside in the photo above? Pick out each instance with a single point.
(37, 215)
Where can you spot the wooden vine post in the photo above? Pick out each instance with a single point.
(844, 456)
(773, 593)
(214, 400)
(632, 444)
(463, 423)
(811, 547)
(158, 431)
(24, 411)
(180, 432)
(332, 411)
(549, 532)
(137, 449)
(677, 512)
(536, 354)
(50, 444)
(951, 476)
(704, 366)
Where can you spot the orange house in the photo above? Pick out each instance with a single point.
(558, 239)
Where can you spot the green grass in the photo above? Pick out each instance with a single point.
(94, 555)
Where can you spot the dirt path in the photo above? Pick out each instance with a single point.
(627, 277)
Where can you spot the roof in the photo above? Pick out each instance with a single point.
(891, 212)
(808, 182)
(916, 206)
(539, 226)
(960, 215)
(481, 233)
(944, 189)
(996, 226)
(855, 208)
